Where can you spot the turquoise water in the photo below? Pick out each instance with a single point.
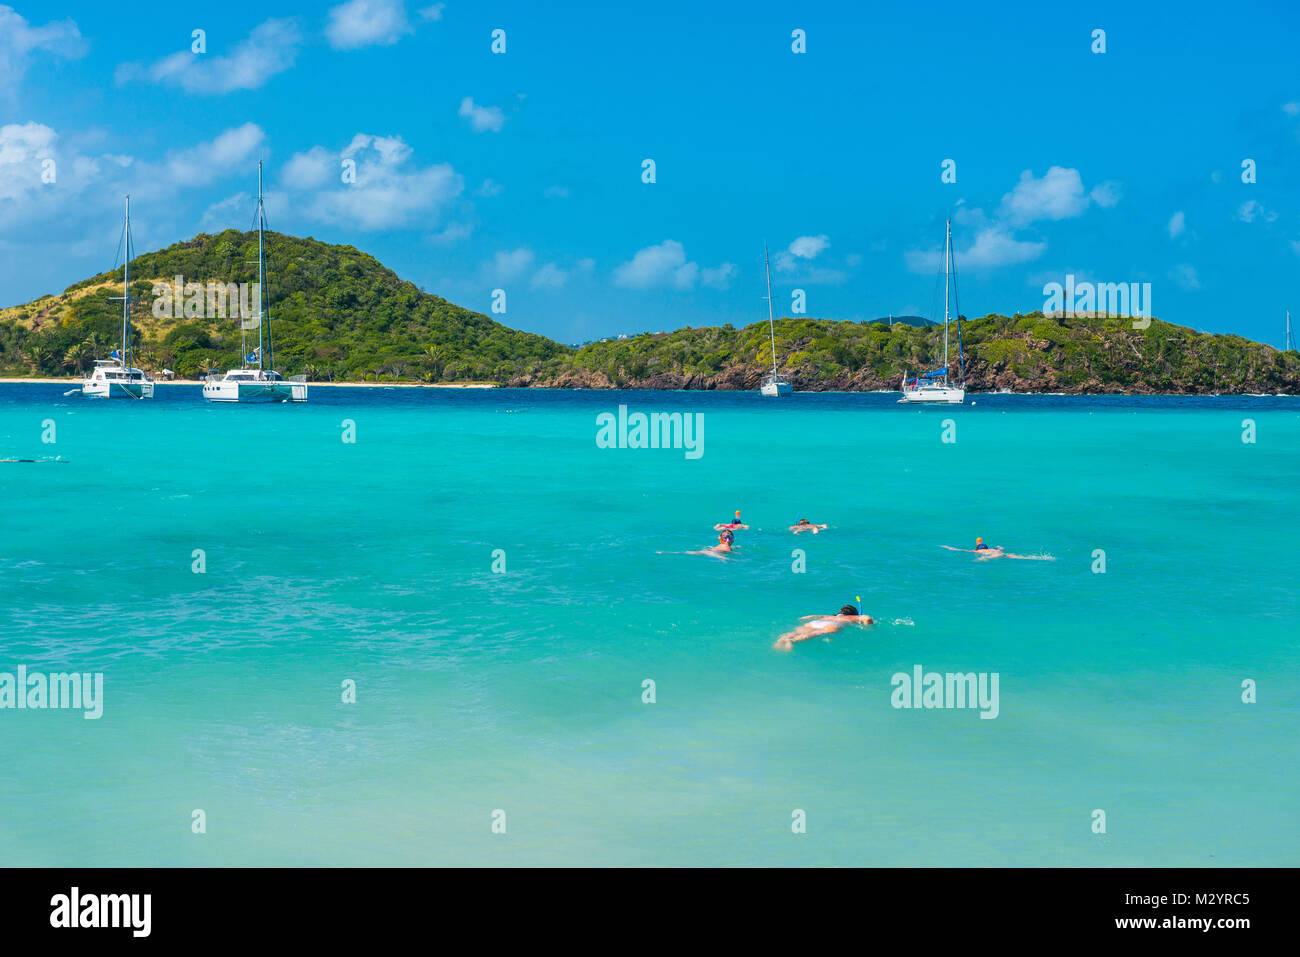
(522, 690)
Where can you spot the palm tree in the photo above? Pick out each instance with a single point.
(434, 357)
(77, 356)
(37, 356)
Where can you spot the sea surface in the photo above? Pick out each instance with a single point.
(515, 695)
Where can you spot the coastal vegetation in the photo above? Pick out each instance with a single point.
(340, 315)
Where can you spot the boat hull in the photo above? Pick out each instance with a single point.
(226, 390)
(940, 395)
(117, 390)
(774, 385)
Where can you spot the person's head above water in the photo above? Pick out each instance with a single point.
(804, 521)
(848, 610)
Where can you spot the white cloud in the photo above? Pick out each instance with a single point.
(1176, 224)
(208, 162)
(77, 210)
(1105, 194)
(549, 276)
(798, 257)
(315, 168)
(269, 49)
(719, 278)
(365, 23)
(389, 191)
(656, 266)
(432, 13)
(1291, 109)
(1058, 194)
(509, 265)
(19, 40)
(481, 118)
(491, 188)
(556, 192)
(1253, 209)
(453, 232)
(1185, 275)
(1295, 244)
(666, 265)
(809, 247)
(994, 245)
(233, 212)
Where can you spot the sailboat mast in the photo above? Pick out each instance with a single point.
(771, 321)
(261, 269)
(126, 288)
(947, 267)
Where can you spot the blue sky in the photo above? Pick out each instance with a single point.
(523, 170)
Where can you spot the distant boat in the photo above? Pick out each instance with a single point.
(115, 377)
(256, 380)
(773, 383)
(935, 386)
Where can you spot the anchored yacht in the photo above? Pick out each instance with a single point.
(115, 377)
(255, 380)
(774, 383)
(935, 386)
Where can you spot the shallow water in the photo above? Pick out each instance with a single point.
(522, 691)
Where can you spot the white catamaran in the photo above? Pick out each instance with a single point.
(773, 382)
(256, 380)
(935, 386)
(115, 377)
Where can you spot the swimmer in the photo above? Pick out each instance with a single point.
(803, 525)
(984, 552)
(719, 551)
(734, 523)
(819, 626)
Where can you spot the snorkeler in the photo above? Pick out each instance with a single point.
(803, 525)
(721, 550)
(819, 626)
(984, 552)
(734, 523)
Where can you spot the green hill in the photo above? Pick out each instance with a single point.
(337, 314)
(340, 315)
(1024, 353)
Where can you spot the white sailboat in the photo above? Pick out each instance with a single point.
(115, 377)
(773, 383)
(256, 380)
(935, 386)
